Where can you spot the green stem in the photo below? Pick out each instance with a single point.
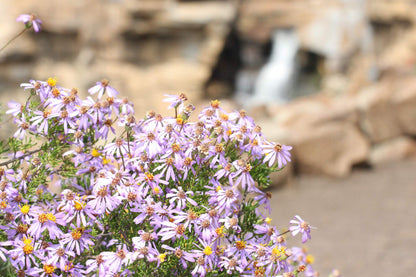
(12, 39)
(21, 157)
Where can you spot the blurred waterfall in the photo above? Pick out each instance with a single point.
(277, 76)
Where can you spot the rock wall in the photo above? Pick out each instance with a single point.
(364, 111)
(146, 48)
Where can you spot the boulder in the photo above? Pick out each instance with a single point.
(314, 110)
(393, 150)
(377, 113)
(330, 149)
(404, 106)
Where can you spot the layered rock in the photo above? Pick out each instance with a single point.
(365, 110)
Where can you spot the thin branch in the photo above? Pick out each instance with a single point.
(21, 157)
(11, 40)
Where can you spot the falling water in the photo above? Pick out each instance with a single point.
(277, 76)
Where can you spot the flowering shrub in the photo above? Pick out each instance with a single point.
(157, 196)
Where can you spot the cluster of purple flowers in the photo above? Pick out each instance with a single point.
(165, 197)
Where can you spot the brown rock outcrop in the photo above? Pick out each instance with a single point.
(404, 106)
(377, 113)
(393, 150)
(330, 149)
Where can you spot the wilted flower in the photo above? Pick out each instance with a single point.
(30, 20)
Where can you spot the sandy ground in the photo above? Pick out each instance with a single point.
(366, 223)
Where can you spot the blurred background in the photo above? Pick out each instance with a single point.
(334, 78)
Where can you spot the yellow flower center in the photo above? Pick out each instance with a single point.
(42, 218)
(149, 176)
(51, 217)
(105, 161)
(27, 241)
(76, 234)
(310, 259)
(224, 117)
(179, 121)
(240, 244)
(56, 92)
(95, 153)
(28, 249)
(268, 220)
(68, 267)
(215, 104)
(176, 148)
(207, 251)
(49, 269)
(25, 209)
(79, 206)
(279, 251)
(162, 257)
(3, 204)
(156, 190)
(220, 231)
(51, 82)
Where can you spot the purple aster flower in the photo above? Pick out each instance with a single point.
(167, 168)
(30, 20)
(79, 211)
(241, 118)
(175, 100)
(147, 142)
(142, 251)
(182, 255)
(97, 263)
(276, 151)
(118, 148)
(241, 248)
(104, 201)
(180, 198)
(263, 198)
(113, 261)
(148, 210)
(25, 251)
(83, 117)
(126, 107)
(272, 262)
(46, 221)
(171, 231)
(58, 256)
(206, 227)
(227, 199)
(266, 232)
(25, 213)
(65, 120)
(300, 226)
(40, 120)
(231, 265)
(187, 218)
(78, 239)
(3, 250)
(102, 87)
(231, 223)
(224, 171)
(14, 108)
(23, 127)
(243, 175)
(207, 250)
(105, 128)
(94, 110)
(145, 239)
